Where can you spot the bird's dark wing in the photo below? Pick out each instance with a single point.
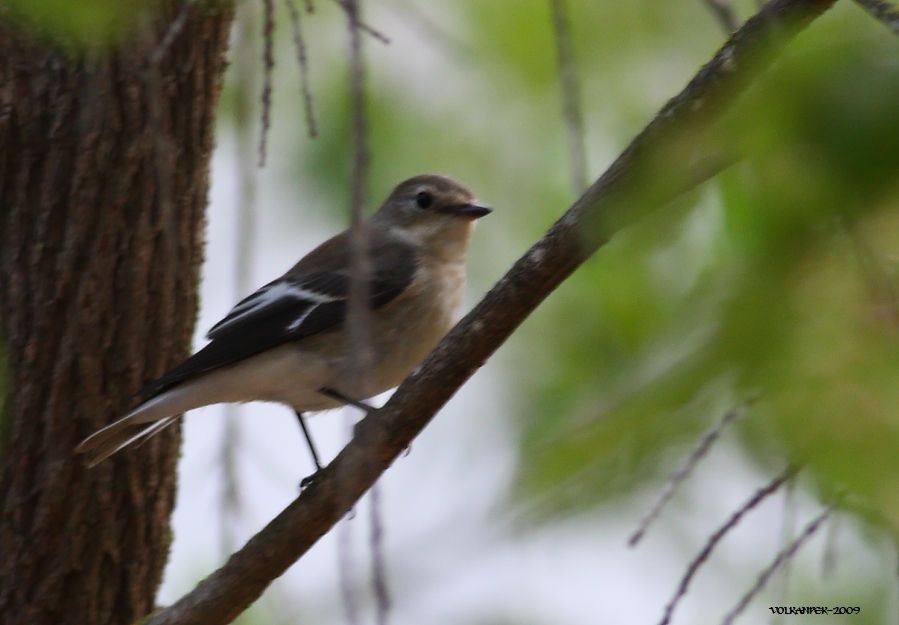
(282, 303)
(309, 299)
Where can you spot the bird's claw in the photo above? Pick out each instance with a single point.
(309, 480)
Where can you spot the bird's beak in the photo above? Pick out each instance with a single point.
(471, 210)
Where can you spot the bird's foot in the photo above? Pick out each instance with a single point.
(309, 480)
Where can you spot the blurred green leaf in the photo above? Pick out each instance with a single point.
(82, 23)
(786, 289)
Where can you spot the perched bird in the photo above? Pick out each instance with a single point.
(289, 342)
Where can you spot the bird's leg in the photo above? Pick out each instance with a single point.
(361, 405)
(327, 391)
(318, 467)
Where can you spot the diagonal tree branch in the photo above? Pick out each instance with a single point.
(674, 140)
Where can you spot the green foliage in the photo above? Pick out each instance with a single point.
(772, 281)
(93, 24)
(87, 22)
(871, 595)
(787, 288)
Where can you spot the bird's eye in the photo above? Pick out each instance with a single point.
(424, 199)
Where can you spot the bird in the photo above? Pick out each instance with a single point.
(290, 342)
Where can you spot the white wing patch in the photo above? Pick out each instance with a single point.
(296, 323)
(269, 296)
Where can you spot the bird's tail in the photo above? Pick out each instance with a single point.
(138, 426)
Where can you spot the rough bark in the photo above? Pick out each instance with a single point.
(103, 186)
(672, 144)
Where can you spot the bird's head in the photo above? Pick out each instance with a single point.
(433, 211)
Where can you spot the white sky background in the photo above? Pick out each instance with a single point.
(454, 553)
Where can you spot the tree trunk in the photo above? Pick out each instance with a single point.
(104, 162)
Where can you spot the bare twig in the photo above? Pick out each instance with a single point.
(684, 471)
(724, 14)
(829, 557)
(571, 95)
(716, 537)
(358, 313)
(433, 30)
(785, 555)
(230, 496)
(268, 64)
(244, 75)
(378, 566)
(787, 535)
(882, 11)
(244, 238)
(346, 568)
(382, 436)
(359, 268)
(300, 45)
(360, 328)
(171, 33)
(346, 6)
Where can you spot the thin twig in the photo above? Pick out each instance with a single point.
(378, 566)
(346, 6)
(882, 11)
(433, 31)
(346, 568)
(383, 435)
(358, 321)
(684, 471)
(230, 497)
(359, 262)
(716, 537)
(785, 555)
(724, 14)
(571, 95)
(346, 564)
(171, 33)
(829, 557)
(268, 64)
(300, 45)
(787, 535)
(244, 239)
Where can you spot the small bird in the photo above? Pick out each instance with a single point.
(289, 342)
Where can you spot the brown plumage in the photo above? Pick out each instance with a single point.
(287, 341)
